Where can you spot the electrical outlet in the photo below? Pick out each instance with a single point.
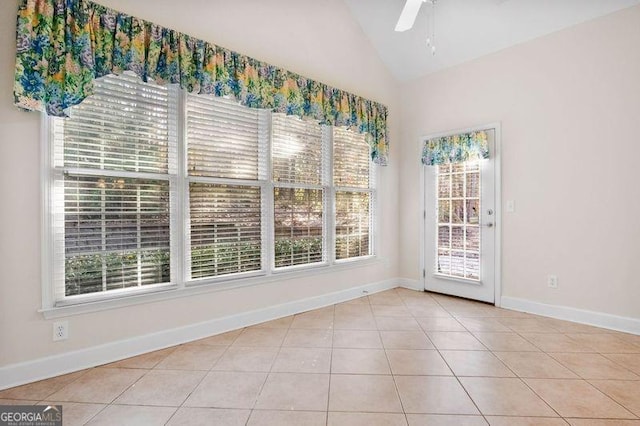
(511, 206)
(552, 281)
(60, 330)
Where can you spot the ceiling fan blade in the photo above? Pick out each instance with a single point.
(408, 15)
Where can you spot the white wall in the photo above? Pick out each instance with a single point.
(569, 104)
(315, 39)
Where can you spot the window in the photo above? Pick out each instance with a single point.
(353, 192)
(458, 233)
(113, 163)
(298, 176)
(154, 188)
(226, 165)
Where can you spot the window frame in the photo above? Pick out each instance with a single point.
(181, 284)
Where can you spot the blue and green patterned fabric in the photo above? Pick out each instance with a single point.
(455, 148)
(64, 45)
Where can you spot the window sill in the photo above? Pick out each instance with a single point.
(201, 287)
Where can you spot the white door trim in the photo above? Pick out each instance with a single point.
(498, 201)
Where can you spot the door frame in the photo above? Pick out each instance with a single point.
(497, 158)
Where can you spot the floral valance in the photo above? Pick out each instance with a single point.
(64, 45)
(455, 148)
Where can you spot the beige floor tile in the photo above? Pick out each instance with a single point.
(626, 393)
(366, 419)
(434, 395)
(247, 359)
(405, 340)
(303, 360)
(528, 325)
(162, 387)
(594, 366)
(192, 357)
(326, 310)
(505, 342)
(359, 361)
(42, 389)
(397, 324)
(483, 324)
(627, 337)
(222, 389)
(148, 360)
(17, 402)
(536, 365)
(455, 340)
(223, 339)
(417, 362)
(260, 337)
(276, 323)
(440, 324)
(555, 342)
(305, 338)
(294, 391)
(187, 416)
(605, 343)
(525, 421)
(100, 385)
(476, 363)
(585, 401)
(390, 311)
(357, 301)
(385, 298)
(354, 322)
(76, 413)
(313, 321)
(574, 327)
(132, 415)
(280, 418)
(602, 422)
(444, 420)
(357, 339)
(428, 311)
(351, 309)
(628, 361)
(419, 301)
(475, 312)
(506, 397)
(363, 393)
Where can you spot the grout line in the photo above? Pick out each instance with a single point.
(275, 359)
(395, 384)
(207, 371)
(333, 329)
(454, 374)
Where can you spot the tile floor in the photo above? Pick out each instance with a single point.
(398, 357)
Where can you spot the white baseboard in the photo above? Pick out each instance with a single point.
(582, 316)
(43, 368)
(410, 284)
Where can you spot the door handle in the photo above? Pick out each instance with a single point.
(488, 225)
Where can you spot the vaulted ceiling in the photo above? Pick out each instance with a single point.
(468, 29)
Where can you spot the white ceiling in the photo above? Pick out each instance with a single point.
(467, 29)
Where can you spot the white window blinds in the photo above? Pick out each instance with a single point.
(112, 202)
(151, 187)
(226, 145)
(353, 194)
(223, 138)
(298, 159)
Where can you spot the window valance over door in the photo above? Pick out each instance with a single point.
(455, 148)
(64, 45)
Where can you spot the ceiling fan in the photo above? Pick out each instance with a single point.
(409, 14)
(411, 9)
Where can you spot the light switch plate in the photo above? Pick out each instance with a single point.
(511, 206)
